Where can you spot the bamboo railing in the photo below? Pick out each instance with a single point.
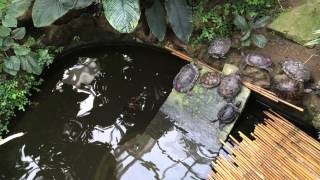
(279, 150)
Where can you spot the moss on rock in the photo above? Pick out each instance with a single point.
(299, 23)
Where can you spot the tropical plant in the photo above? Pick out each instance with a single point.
(315, 41)
(248, 30)
(123, 15)
(21, 58)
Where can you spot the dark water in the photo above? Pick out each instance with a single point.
(93, 119)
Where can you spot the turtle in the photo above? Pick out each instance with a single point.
(219, 47)
(255, 76)
(210, 80)
(230, 86)
(187, 77)
(258, 60)
(228, 113)
(296, 70)
(287, 87)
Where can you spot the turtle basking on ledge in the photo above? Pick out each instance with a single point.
(258, 60)
(227, 114)
(187, 78)
(219, 47)
(296, 70)
(230, 86)
(210, 80)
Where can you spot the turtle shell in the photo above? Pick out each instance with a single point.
(230, 86)
(186, 79)
(210, 79)
(259, 60)
(286, 87)
(296, 70)
(219, 47)
(227, 113)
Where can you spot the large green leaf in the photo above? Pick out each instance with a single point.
(241, 23)
(45, 12)
(29, 63)
(12, 63)
(4, 31)
(261, 22)
(180, 18)
(9, 21)
(18, 33)
(21, 51)
(18, 8)
(156, 18)
(259, 40)
(123, 15)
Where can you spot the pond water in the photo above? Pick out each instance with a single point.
(94, 119)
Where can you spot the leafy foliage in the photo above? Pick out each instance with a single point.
(248, 30)
(44, 16)
(156, 18)
(180, 18)
(213, 20)
(315, 41)
(21, 57)
(123, 15)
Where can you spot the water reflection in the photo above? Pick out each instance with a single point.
(100, 122)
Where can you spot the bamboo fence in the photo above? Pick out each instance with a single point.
(279, 150)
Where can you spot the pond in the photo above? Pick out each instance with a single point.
(94, 119)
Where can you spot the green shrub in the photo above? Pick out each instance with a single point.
(21, 58)
(217, 21)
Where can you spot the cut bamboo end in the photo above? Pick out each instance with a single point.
(279, 151)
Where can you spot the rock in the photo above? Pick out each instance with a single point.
(312, 106)
(299, 23)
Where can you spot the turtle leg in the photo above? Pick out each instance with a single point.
(213, 121)
(243, 67)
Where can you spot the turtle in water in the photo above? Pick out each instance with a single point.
(187, 77)
(258, 60)
(210, 80)
(296, 70)
(227, 114)
(230, 86)
(287, 87)
(219, 47)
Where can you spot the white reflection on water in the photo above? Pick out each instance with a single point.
(109, 135)
(32, 165)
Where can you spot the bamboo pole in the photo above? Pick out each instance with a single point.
(279, 150)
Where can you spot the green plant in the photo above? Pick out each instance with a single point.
(211, 23)
(248, 29)
(21, 57)
(123, 15)
(315, 41)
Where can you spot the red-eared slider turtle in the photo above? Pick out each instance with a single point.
(228, 113)
(230, 86)
(219, 47)
(287, 87)
(186, 79)
(296, 70)
(258, 60)
(210, 79)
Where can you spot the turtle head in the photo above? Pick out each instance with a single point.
(238, 104)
